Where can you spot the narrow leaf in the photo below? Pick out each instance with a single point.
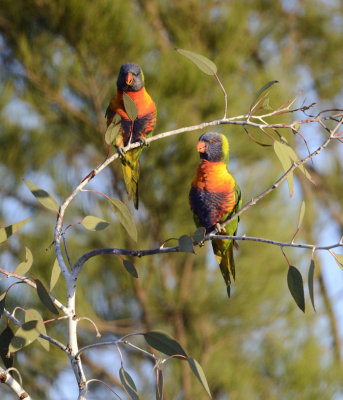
(45, 297)
(293, 156)
(5, 340)
(55, 274)
(24, 336)
(186, 244)
(94, 223)
(9, 230)
(159, 384)
(199, 373)
(164, 343)
(2, 305)
(203, 63)
(31, 315)
(113, 129)
(296, 287)
(125, 218)
(310, 283)
(130, 107)
(128, 384)
(301, 214)
(263, 89)
(42, 196)
(338, 258)
(25, 266)
(130, 268)
(199, 234)
(286, 163)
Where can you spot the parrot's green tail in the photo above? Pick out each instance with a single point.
(131, 176)
(223, 251)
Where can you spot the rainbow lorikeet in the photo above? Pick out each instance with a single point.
(214, 197)
(131, 82)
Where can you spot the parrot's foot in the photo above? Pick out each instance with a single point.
(121, 151)
(219, 228)
(143, 142)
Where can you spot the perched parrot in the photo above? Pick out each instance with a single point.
(214, 197)
(131, 82)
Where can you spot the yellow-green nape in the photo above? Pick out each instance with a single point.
(225, 147)
(142, 75)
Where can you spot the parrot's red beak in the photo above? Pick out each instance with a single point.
(201, 147)
(129, 79)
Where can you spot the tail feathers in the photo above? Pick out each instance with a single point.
(223, 251)
(131, 176)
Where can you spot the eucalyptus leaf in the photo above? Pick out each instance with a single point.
(31, 315)
(203, 63)
(164, 343)
(130, 268)
(263, 89)
(55, 274)
(45, 297)
(9, 230)
(94, 223)
(282, 154)
(159, 384)
(199, 373)
(125, 218)
(42, 196)
(186, 244)
(130, 107)
(25, 266)
(113, 129)
(199, 234)
(5, 340)
(128, 383)
(24, 336)
(311, 283)
(296, 287)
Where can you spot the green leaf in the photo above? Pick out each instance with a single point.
(199, 234)
(199, 373)
(5, 340)
(125, 218)
(24, 266)
(159, 384)
(282, 153)
(130, 107)
(24, 336)
(113, 129)
(2, 305)
(338, 258)
(128, 384)
(94, 223)
(203, 63)
(301, 214)
(164, 343)
(186, 244)
(45, 297)
(31, 315)
(55, 274)
(130, 268)
(263, 89)
(310, 283)
(296, 287)
(294, 157)
(9, 230)
(42, 196)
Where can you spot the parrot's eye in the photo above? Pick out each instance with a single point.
(212, 142)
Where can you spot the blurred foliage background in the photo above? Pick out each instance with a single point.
(58, 66)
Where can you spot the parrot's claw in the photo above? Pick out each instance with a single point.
(143, 142)
(121, 151)
(218, 228)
